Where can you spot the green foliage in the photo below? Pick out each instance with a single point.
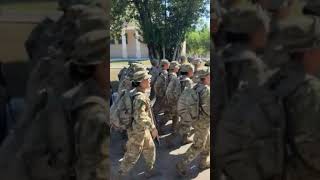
(198, 42)
(163, 23)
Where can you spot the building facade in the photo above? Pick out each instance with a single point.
(128, 47)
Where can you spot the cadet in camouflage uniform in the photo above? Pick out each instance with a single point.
(160, 87)
(89, 99)
(172, 94)
(244, 71)
(154, 72)
(124, 71)
(72, 143)
(201, 143)
(243, 67)
(125, 83)
(302, 43)
(198, 64)
(143, 129)
(50, 69)
(279, 12)
(184, 128)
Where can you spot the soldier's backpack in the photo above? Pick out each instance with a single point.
(173, 90)
(160, 85)
(122, 73)
(43, 144)
(121, 111)
(252, 130)
(189, 102)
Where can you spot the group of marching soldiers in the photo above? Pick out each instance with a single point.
(156, 94)
(267, 63)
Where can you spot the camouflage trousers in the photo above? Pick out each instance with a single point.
(170, 113)
(99, 172)
(201, 144)
(138, 143)
(159, 105)
(185, 125)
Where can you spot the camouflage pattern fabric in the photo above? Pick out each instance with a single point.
(172, 95)
(303, 108)
(185, 123)
(140, 140)
(138, 143)
(160, 87)
(91, 132)
(125, 84)
(49, 67)
(201, 143)
(154, 72)
(185, 82)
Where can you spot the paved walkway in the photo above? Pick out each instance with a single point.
(165, 163)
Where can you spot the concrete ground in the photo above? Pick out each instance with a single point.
(166, 160)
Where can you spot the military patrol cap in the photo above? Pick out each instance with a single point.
(164, 61)
(174, 64)
(299, 38)
(197, 61)
(140, 75)
(88, 18)
(90, 48)
(137, 67)
(203, 72)
(242, 21)
(186, 67)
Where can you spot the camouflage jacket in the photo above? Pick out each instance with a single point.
(195, 77)
(125, 84)
(154, 71)
(204, 101)
(303, 108)
(142, 113)
(161, 84)
(185, 82)
(91, 131)
(174, 89)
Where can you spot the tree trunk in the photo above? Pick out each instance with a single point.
(163, 52)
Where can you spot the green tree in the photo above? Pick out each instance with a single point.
(198, 42)
(163, 24)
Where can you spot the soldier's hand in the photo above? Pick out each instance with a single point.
(154, 133)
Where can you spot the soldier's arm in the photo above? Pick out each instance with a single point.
(205, 102)
(141, 115)
(177, 90)
(92, 143)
